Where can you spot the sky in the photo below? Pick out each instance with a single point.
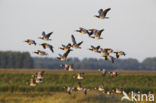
(131, 26)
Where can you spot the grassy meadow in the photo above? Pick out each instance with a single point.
(14, 86)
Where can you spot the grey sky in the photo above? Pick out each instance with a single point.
(131, 27)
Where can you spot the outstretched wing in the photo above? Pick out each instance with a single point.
(80, 43)
(63, 46)
(98, 47)
(100, 11)
(73, 39)
(66, 53)
(106, 11)
(51, 48)
(43, 33)
(92, 47)
(48, 35)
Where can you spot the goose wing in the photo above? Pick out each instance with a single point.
(66, 53)
(51, 48)
(73, 39)
(106, 11)
(43, 33)
(48, 35)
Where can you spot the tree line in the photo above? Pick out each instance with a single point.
(10, 59)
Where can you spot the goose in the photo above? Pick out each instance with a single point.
(64, 56)
(119, 53)
(75, 45)
(30, 42)
(108, 50)
(32, 82)
(45, 36)
(103, 71)
(97, 34)
(94, 49)
(101, 87)
(45, 45)
(118, 91)
(102, 52)
(85, 91)
(40, 53)
(91, 31)
(69, 89)
(66, 48)
(40, 75)
(103, 13)
(82, 31)
(110, 58)
(79, 88)
(114, 74)
(68, 67)
(80, 75)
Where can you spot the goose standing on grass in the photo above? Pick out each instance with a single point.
(103, 71)
(30, 42)
(33, 81)
(66, 48)
(45, 36)
(64, 56)
(110, 58)
(45, 45)
(40, 53)
(80, 75)
(114, 74)
(79, 87)
(119, 53)
(118, 91)
(85, 90)
(82, 31)
(75, 45)
(97, 34)
(103, 13)
(67, 67)
(69, 89)
(94, 49)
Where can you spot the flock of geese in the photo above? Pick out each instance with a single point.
(92, 33)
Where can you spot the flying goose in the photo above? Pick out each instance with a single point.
(30, 42)
(97, 34)
(82, 31)
(119, 53)
(114, 74)
(103, 71)
(45, 45)
(102, 52)
(103, 13)
(68, 67)
(64, 56)
(94, 49)
(75, 45)
(92, 31)
(40, 53)
(45, 36)
(110, 58)
(66, 48)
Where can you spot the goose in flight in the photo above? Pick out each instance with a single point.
(75, 44)
(94, 49)
(119, 53)
(110, 58)
(103, 13)
(30, 42)
(82, 31)
(45, 45)
(66, 48)
(64, 56)
(45, 36)
(97, 34)
(40, 53)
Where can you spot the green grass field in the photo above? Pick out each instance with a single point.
(14, 86)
